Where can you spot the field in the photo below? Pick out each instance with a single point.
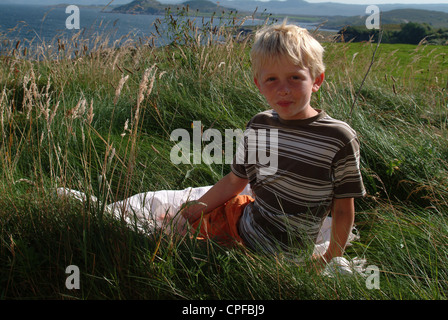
(97, 118)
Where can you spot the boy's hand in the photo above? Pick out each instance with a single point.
(220, 193)
(189, 210)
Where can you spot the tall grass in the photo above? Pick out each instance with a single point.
(97, 118)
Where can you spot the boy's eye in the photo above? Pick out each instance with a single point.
(270, 79)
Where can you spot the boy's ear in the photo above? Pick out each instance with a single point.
(318, 82)
(257, 83)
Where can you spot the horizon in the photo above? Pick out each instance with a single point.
(121, 2)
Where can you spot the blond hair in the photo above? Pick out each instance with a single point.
(295, 43)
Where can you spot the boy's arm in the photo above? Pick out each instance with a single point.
(343, 216)
(225, 189)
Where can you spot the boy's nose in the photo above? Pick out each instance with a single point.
(283, 90)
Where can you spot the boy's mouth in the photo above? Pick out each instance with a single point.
(284, 103)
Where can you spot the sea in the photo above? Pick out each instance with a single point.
(27, 22)
(33, 25)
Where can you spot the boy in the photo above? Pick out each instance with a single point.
(318, 159)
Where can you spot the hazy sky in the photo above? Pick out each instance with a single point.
(367, 2)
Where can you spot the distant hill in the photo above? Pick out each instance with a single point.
(155, 7)
(433, 18)
(436, 19)
(301, 7)
(142, 7)
(206, 6)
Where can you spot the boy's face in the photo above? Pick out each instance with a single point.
(288, 88)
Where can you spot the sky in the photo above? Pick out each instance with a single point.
(367, 2)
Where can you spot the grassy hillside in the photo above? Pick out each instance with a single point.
(100, 122)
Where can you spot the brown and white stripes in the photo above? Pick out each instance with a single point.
(312, 161)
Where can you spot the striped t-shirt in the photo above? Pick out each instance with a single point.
(295, 169)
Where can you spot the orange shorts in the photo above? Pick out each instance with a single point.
(221, 224)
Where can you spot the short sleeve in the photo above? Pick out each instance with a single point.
(347, 176)
(238, 166)
(240, 160)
